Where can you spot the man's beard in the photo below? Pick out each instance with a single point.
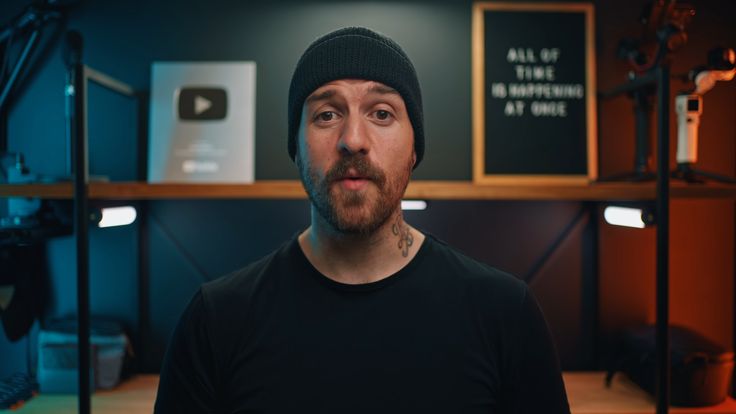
(354, 212)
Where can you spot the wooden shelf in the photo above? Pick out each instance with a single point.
(585, 392)
(431, 190)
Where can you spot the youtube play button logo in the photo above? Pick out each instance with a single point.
(199, 104)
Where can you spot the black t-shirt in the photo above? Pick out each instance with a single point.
(445, 334)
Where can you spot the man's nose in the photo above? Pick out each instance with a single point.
(354, 138)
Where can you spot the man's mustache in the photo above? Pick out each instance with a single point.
(360, 166)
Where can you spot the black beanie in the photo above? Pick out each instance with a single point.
(355, 53)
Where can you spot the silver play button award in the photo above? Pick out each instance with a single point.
(197, 104)
(202, 122)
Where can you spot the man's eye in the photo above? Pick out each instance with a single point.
(326, 116)
(383, 115)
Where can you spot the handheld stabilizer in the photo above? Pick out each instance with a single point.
(689, 106)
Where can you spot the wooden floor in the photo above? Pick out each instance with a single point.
(586, 393)
(134, 396)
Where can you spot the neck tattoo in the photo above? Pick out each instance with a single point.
(406, 239)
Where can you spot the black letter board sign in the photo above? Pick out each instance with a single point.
(533, 93)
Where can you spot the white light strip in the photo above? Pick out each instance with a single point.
(413, 205)
(117, 216)
(624, 216)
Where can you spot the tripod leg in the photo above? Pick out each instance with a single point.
(714, 176)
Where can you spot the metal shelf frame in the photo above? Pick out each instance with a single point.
(76, 93)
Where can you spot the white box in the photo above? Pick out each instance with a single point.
(202, 126)
(58, 361)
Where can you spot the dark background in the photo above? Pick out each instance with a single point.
(598, 280)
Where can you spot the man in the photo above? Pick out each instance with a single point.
(360, 313)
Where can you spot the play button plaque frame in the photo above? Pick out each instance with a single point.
(202, 124)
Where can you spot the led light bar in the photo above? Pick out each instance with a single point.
(117, 216)
(413, 205)
(624, 216)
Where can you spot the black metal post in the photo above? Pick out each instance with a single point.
(663, 217)
(144, 364)
(144, 325)
(590, 296)
(76, 107)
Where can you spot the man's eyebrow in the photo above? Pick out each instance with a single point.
(321, 96)
(383, 89)
(329, 93)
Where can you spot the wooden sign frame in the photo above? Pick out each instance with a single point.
(480, 172)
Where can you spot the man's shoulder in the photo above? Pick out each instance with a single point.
(471, 272)
(242, 282)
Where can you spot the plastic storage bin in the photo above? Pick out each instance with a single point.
(58, 356)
